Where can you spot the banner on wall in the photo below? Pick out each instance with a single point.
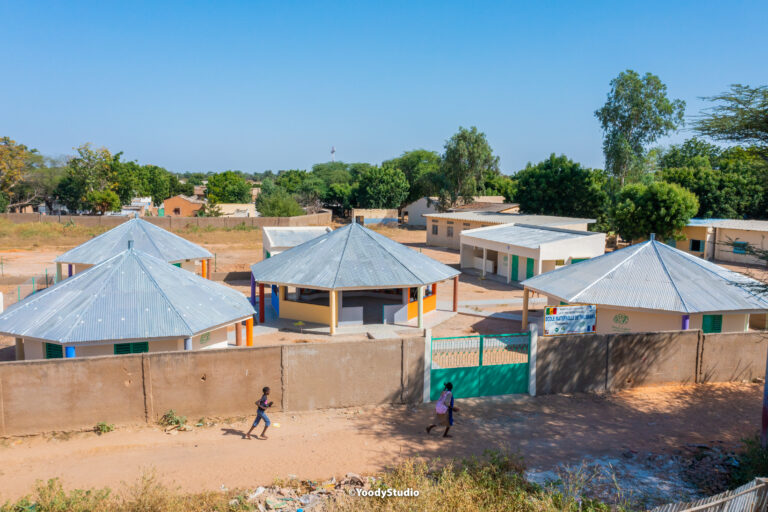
(569, 320)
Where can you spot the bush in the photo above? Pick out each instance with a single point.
(752, 462)
(103, 428)
(171, 419)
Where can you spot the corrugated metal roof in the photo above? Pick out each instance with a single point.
(291, 237)
(146, 237)
(351, 257)
(654, 276)
(745, 224)
(507, 218)
(525, 235)
(130, 296)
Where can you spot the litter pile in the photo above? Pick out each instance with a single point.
(303, 495)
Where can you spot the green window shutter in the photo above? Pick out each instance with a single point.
(739, 247)
(177, 265)
(268, 255)
(53, 351)
(122, 348)
(140, 347)
(576, 260)
(529, 268)
(712, 323)
(515, 270)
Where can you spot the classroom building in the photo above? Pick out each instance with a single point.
(724, 240)
(147, 238)
(130, 303)
(516, 252)
(413, 213)
(279, 239)
(444, 229)
(654, 287)
(353, 276)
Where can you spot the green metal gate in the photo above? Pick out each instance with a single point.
(487, 365)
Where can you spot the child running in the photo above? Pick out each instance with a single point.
(444, 410)
(261, 414)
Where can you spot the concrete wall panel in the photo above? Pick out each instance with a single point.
(636, 359)
(567, 364)
(733, 357)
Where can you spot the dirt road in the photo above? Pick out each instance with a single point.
(546, 430)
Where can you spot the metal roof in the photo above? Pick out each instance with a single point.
(745, 224)
(147, 238)
(509, 218)
(351, 257)
(525, 235)
(653, 276)
(131, 296)
(293, 236)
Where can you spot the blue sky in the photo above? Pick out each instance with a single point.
(206, 86)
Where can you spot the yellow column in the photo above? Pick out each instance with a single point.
(526, 294)
(332, 320)
(204, 269)
(249, 332)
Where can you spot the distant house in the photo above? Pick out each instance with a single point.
(200, 191)
(279, 239)
(238, 210)
(369, 216)
(724, 239)
(413, 213)
(140, 206)
(182, 206)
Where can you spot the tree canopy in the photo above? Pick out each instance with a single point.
(636, 113)
(421, 168)
(382, 187)
(660, 208)
(228, 187)
(467, 161)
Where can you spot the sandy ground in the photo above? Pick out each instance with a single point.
(546, 430)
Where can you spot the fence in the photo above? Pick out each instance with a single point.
(172, 223)
(752, 497)
(483, 365)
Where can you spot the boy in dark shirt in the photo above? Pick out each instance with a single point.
(261, 414)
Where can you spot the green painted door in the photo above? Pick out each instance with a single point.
(712, 323)
(529, 268)
(515, 268)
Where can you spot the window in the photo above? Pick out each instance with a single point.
(434, 229)
(53, 351)
(559, 263)
(131, 348)
(739, 247)
(177, 211)
(696, 246)
(450, 231)
(712, 323)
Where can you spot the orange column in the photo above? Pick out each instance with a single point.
(238, 335)
(249, 332)
(204, 269)
(434, 288)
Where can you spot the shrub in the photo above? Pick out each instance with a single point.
(171, 419)
(103, 428)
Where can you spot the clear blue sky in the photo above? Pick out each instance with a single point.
(206, 86)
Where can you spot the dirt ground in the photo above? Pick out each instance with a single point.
(546, 431)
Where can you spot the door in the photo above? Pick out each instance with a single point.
(712, 323)
(529, 268)
(515, 267)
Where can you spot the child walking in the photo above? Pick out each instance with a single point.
(444, 410)
(261, 414)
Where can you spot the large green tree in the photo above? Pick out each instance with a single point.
(228, 187)
(636, 113)
(467, 161)
(740, 116)
(382, 187)
(560, 186)
(275, 201)
(16, 161)
(421, 168)
(660, 208)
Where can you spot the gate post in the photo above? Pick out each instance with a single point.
(481, 350)
(533, 340)
(427, 365)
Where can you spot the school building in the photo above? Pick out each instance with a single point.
(654, 287)
(516, 252)
(444, 229)
(279, 239)
(130, 303)
(350, 276)
(147, 238)
(724, 239)
(413, 213)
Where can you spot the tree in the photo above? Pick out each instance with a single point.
(636, 113)
(275, 201)
(209, 209)
(740, 117)
(228, 187)
(420, 168)
(467, 160)
(102, 201)
(382, 187)
(339, 195)
(500, 185)
(560, 186)
(660, 208)
(16, 162)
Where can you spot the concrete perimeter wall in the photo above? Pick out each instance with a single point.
(40, 396)
(170, 223)
(608, 362)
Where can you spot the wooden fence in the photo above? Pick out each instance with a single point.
(752, 497)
